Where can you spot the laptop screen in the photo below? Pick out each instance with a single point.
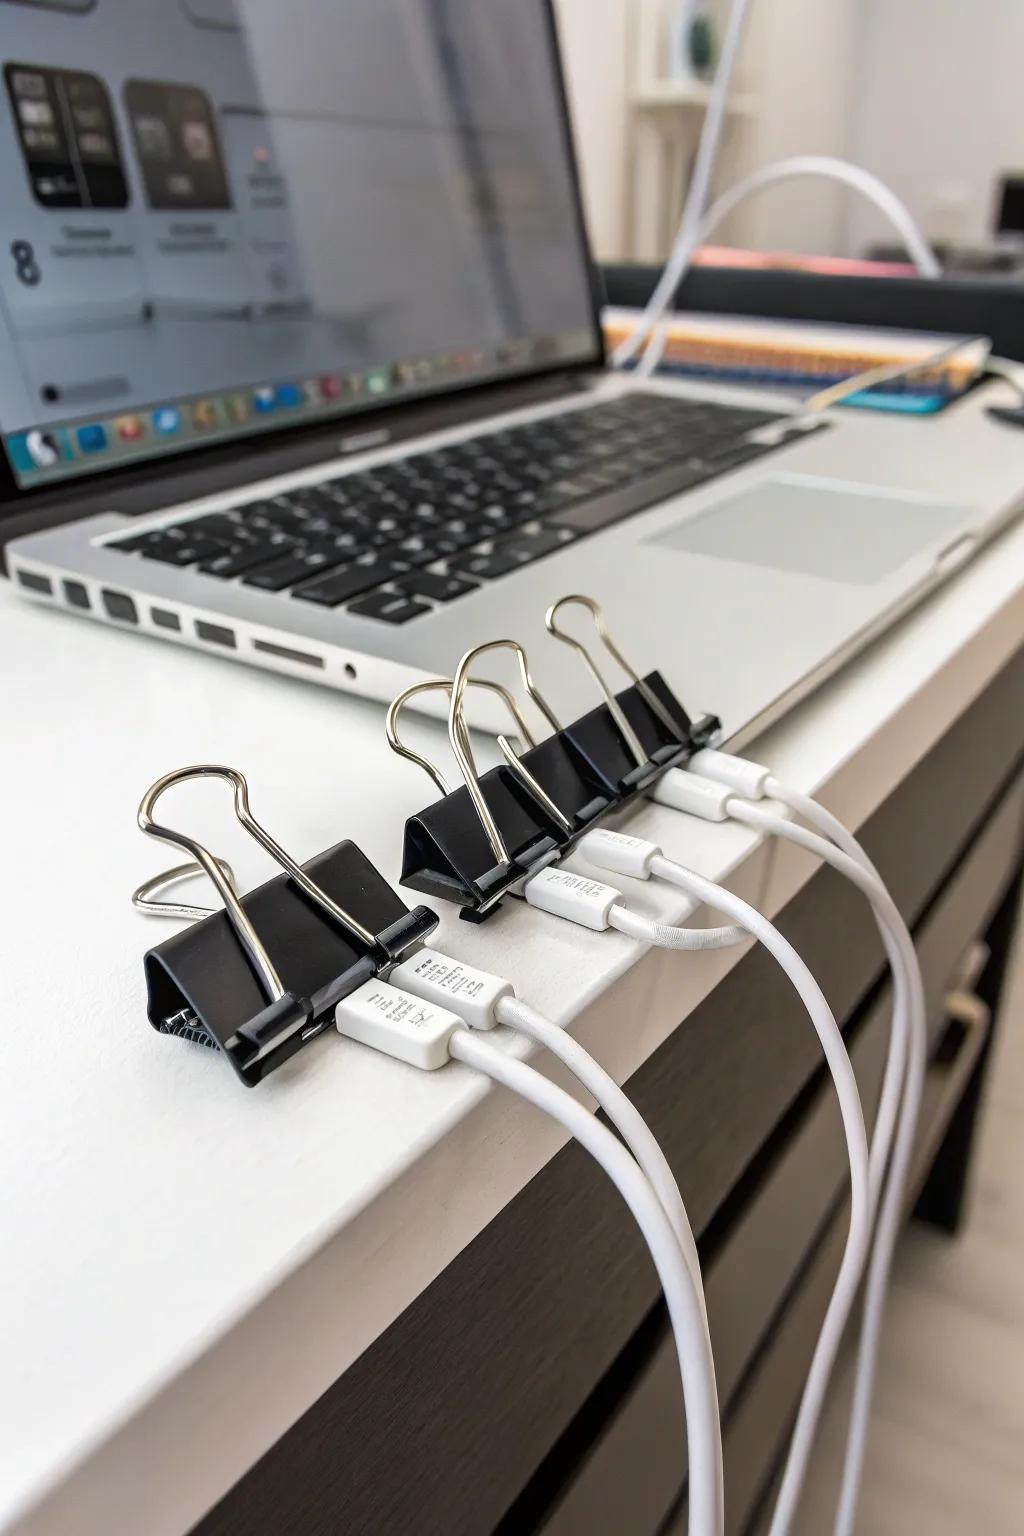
(225, 217)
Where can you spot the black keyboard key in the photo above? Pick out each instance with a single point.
(263, 514)
(730, 455)
(526, 547)
(349, 582)
(217, 525)
(314, 499)
(243, 557)
(498, 517)
(578, 472)
(391, 607)
(432, 584)
(457, 533)
(184, 551)
(600, 512)
(291, 569)
(420, 551)
(486, 567)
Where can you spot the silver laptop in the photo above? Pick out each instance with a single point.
(301, 364)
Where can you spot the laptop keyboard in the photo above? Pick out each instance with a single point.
(392, 542)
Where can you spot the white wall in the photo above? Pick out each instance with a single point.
(801, 61)
(594, 36)
(942, 109)
(799, 69)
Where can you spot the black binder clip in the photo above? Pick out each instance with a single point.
(478, 843)
(634, 736)
(480, 840)
(216, 983)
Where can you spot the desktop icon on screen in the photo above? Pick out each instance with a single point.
(290, 395)
(264, 397)
(236, 408)
(130, 428)
(92, 439)
(167, 420)
(43, 449)
(204, 414)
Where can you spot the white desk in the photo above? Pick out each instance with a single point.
(168, 1235)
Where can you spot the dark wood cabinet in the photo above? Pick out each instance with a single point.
(531, 1387)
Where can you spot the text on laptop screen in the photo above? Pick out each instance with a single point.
(225, 216)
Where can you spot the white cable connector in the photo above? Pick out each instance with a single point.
(592, 904)
(734, 773)
(683, 791)
(450, 984)
(405, 1027)
(583, 901)
(485, 1000)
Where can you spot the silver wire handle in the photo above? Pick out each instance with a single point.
(146, 897)
(443, 684)
(460, 743)
(629, 736)
(515, 764)
(214, 869)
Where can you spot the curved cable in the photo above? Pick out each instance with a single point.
(891, 1214)
(830, 167)
(893, 935)
(635, 1132)
(886, 373)
(858, 1239)
(692, 222)
(668, 936)
(703, 1431)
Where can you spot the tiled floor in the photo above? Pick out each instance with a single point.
(946, 1455)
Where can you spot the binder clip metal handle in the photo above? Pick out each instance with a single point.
(648, 719)
(482, 837)
(458, 736)
(217, 983)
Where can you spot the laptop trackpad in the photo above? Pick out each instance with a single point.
(817, 527)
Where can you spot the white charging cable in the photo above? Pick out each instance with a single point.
(416, 1025)
(485, 1000)
(653, 321)
(690, 233)
(593, 905)
(754, 782)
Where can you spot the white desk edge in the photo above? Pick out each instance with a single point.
(189, 1266)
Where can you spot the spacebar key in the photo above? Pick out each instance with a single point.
(589, 516)
(337, 588)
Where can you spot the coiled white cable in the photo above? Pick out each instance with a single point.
(689, 1325)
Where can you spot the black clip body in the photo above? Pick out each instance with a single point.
(587, 771)
(598, 741)
(202, 986)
